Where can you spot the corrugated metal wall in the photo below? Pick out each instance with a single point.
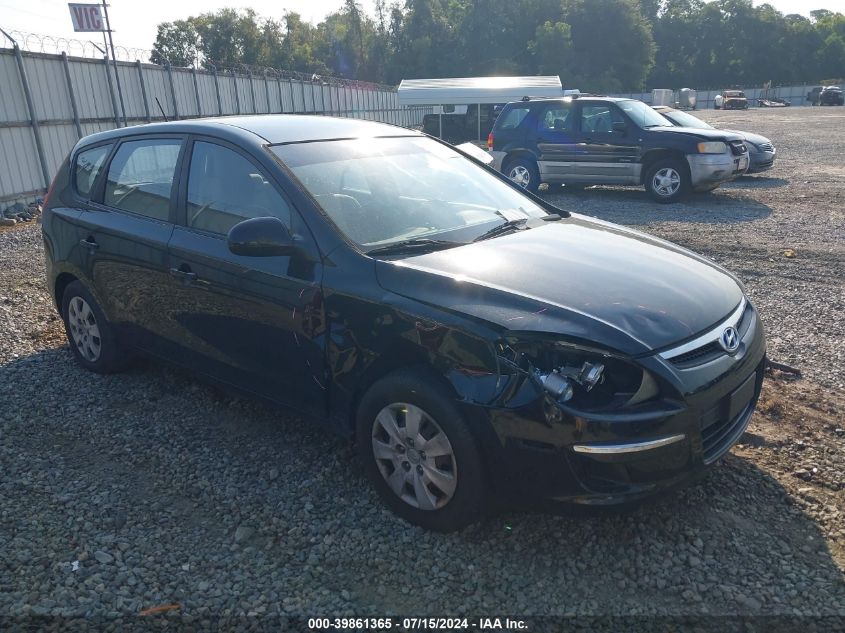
(58, 83)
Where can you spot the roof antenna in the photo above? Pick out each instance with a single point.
(162, 110)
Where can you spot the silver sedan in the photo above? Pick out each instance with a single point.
(761, 151)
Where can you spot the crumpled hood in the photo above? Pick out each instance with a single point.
(585, 279)
(700, 132)
(750, 137)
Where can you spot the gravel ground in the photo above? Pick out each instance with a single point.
(121, 493)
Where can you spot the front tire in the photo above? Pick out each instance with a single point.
(523, 172)
(667, 181)
(92, 337)
(419, 453)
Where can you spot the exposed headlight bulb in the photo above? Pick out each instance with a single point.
(591, 374)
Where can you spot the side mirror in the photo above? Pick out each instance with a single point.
(619, 126)
(261, 237)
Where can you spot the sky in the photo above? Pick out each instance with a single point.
(134, 21)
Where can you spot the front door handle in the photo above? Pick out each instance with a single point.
(184, 273)
(89, 243)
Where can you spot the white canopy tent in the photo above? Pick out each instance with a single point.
(476, 90)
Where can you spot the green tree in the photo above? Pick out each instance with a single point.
(176, 43)
(551, 48)
(612, 45)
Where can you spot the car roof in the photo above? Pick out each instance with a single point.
(268, 128)
(572, 98)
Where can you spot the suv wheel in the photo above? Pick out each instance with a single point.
(419, 454)
(524, 172)
(92, 338)
(667, 181)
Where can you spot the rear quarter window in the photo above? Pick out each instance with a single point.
(512, 119)
(88, 165)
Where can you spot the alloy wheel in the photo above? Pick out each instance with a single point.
(520, 175)
(414, 456)
(666, 182)
(84, 329)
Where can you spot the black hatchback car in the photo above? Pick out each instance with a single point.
(477, 342)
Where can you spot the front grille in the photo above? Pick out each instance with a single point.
(706, 347)
(738, 148)
(719, 429)
(766, 147)
(699, 356)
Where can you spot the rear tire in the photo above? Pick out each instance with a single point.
(667, 180)
(92, 337)
(419, 453)
(523, 172)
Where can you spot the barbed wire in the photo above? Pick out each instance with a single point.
(56, 45)
(242, 69)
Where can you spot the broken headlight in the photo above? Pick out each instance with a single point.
(580, 377)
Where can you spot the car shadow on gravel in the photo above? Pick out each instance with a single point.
(215, 501)
(635, 207)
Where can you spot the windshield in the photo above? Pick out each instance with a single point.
(686, 120)
(384, 190)
(735, 93)
(643, 115)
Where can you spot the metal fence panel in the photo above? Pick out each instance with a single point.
(92, 88)
(12, 102)
(181, 93)
(155, 78)
(133, 99)
(20, 173)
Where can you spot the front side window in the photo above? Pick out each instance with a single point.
(599, 119)
(140, 177)
(384, 190)
(89, 164)
(225, 188)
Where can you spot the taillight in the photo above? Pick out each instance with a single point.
(490, 141)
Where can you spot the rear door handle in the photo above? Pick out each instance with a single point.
(184, 273)
(89, 243)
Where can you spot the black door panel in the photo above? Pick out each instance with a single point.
(125, 257)
(254, 322)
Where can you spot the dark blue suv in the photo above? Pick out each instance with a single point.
(603, 140)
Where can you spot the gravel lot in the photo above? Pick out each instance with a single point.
(121, 493)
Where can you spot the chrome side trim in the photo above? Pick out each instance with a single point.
(709, 336)
(616, 449)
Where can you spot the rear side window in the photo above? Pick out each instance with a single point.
(511, 119)
(88, 165)
(556, 117)
(225, 188)
(140, 177)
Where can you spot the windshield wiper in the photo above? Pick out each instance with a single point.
(410, 245)
(500, 229)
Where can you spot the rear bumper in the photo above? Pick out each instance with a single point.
(615, 459)
(707, 170)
